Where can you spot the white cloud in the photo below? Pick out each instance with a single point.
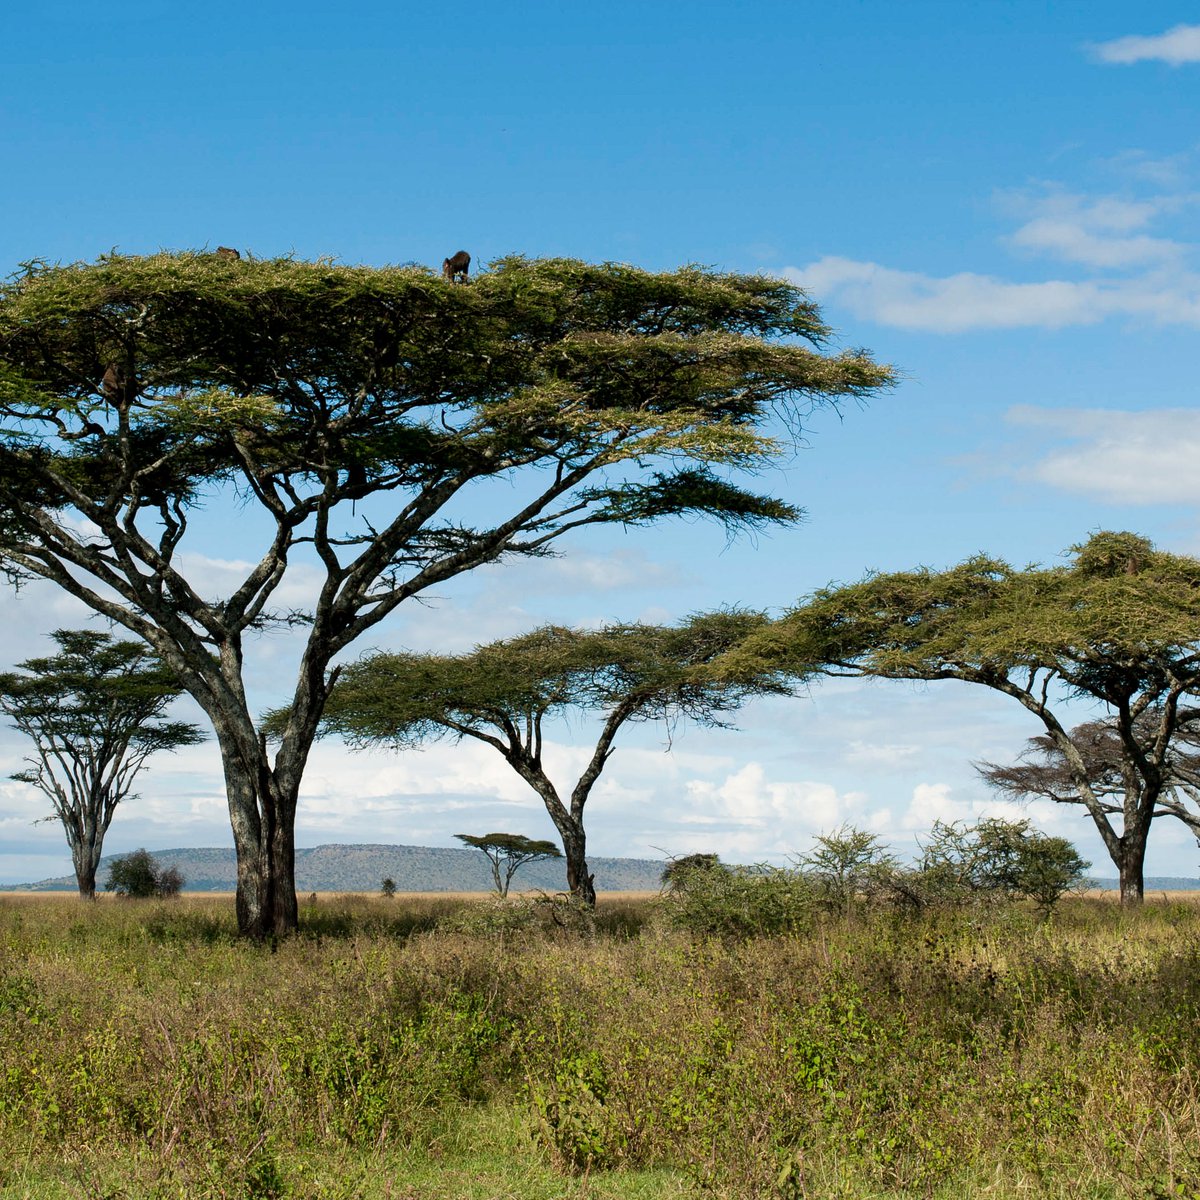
(1129, 271)
(765, 817)
(1119, 457)
(966, 302)
(930, 803)
(879, 754)
(949, 304)
(1101, 232)
(1177, 46)
(1163, 171)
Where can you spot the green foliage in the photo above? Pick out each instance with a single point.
(654, 671)
(739, 902)
(137, 876)
(676, 873)
(1111, 622)
(558, 915)
(573, 1121)
(996, 858)
(849, 865)
(558, 350)
(388, 887)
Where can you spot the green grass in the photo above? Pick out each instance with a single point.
(399, 1049)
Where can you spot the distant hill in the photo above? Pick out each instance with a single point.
(1155, 883)
(362, 868)
(338, 868)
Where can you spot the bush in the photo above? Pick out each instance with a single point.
(675, 873)
(998, 859)
(137, 876)
(532, 914)
(849, 865)
(741, 901)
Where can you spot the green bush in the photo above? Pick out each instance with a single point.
(997, 859)
(849, 866)
(138, 876)
(759, 901)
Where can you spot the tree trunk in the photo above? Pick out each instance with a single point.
(1131, 867)
(263, 826)
(283, 867)
(85, 873)
(579, 880)
(85, 855)
(568, 822)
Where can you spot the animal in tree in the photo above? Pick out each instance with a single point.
(455, 267)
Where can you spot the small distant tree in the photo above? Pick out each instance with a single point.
(388, 887)
(508, 852)
(94, 713)
(138, 876)
(170, 882)
(504, 693)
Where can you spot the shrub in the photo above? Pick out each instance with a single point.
(533, 914)
(741, 901)
(849, 865)
(998, 859)
(675, 874)
(137, 876)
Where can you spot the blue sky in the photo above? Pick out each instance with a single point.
(1000, 199)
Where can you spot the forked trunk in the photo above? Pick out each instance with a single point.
(569, 823)
(263, 825)
(85, 855)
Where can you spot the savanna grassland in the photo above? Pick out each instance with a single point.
(452, 1049)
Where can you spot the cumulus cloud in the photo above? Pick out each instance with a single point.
(1179, 45)
(931, 802)
(1119, 457)
(767, 817)
(967, 302)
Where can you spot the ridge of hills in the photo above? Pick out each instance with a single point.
(361, 868)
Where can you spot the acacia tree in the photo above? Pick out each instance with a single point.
(508, 853)
(94, 713)
(1042, 770)
(1118, 624)
(359, 415)
(503, 694)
